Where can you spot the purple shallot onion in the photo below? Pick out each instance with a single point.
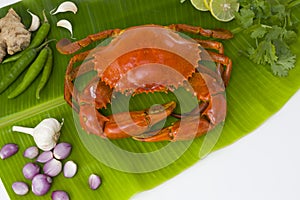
(70, 169)
(94, 181)
(45, 157)
(31, 152)
(59, 195)
(62, 150)
(52, 168)
(41, 184)
(20, 188)
(8, 150)
(30, 170)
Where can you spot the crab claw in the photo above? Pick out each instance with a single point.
(180, 130)
(126, 124)
(91, 120)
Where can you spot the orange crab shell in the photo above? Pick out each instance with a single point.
(149, 53)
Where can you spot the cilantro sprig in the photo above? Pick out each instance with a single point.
(273, 28)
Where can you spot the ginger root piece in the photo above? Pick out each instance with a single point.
(13, 35)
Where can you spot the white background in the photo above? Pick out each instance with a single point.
(263, 165)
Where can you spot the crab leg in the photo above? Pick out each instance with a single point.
(69, 89)
(128, 124)
(65, 46)
(224, 60)
(216, 33)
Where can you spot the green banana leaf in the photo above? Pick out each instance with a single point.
(253, 95)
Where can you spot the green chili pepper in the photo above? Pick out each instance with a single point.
(37, 40)
(17, 69)
(33, 71)
(46, 73)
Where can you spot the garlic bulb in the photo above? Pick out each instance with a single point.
(67, 25)
(65, 7)
(35, 22)
(45, 134)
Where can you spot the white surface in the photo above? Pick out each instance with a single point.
(263, 165)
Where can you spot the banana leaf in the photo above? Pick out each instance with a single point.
(253, 95)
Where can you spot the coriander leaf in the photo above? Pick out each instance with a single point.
(265, 53)
(245, 17)
(289, 36)
(274, 33)
(259, 32)
(283, 65)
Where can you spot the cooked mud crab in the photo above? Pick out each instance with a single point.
(149, 58)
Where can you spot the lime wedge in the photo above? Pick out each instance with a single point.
(206, 3)
(223, 10)
(199, 5)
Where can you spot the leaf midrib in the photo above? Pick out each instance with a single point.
(32, 111)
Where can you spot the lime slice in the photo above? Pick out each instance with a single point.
(223, 10)
(206, 3)
(199, 5)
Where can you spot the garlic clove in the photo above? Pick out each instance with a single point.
(31, 152)
(70, 169)
(30, 170)
(45, 157)
(20, 188)
(41, 184)
(62, 150)
(65, 7)
(94, 181)
(59, 195)
(8, 150)
(52, 168)
(35, 22)
(67, 25)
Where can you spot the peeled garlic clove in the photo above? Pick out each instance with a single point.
(30, 170)
(65, 24)
(45, 157)
(70, 169)
(41, 184)
(20, 188)
(59, 195)
(35, 22)
(65, 7)
(31, 152)
(8, 150)
(62, 150)
(52, 168)
(94, 181)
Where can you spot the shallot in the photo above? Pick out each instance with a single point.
(41, 184)
(20, 188)
(62, 150)
(70, 169)
(30, 170)
(52, 168)
(59, 195)
(8, 150)
(45, 157)
(31, 152)
(94, 181)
